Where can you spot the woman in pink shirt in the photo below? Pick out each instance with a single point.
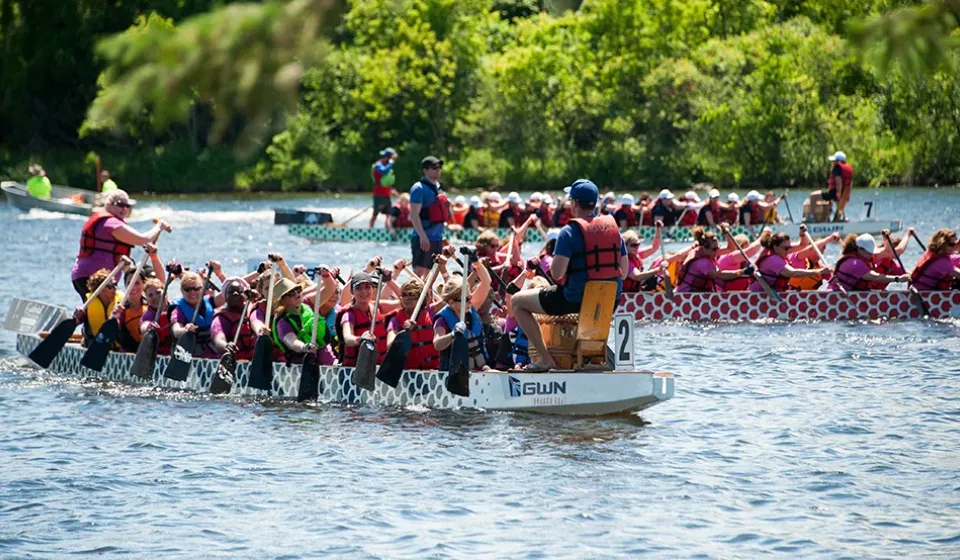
(854, 270)
(699, 271)
(772, 264)
(935, 270)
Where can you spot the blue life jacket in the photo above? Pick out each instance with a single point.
(521, 346)
(478, 350)
(203, 322)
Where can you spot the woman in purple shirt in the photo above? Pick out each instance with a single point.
(854, 270)
(699, 271)
(772, 264)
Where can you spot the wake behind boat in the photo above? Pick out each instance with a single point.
(63, 199)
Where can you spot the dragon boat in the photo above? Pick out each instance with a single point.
(675, 233)
(796, 306)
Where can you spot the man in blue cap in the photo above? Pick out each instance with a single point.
(588, 248)
(383, 181)
(429, 212)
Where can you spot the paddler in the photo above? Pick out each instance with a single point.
(493, 205)
(447, 321)
(102, 308)
(106, 183)
(886, 261)
(806, 256)
(636, 275)
(423, 354)
(754, 210)
(563, 214)
(699, 272)
(134, 305)
(573, 266)
(625, 215)
(358, 321)
(106, 237)
(773, 265)
(733, 260)
(938, 268)
(512, 215)
(429, 211)
(383, 181)
(690, 214)
(293, 321)
(471, 219)
(182, 310)
(399, 217)
(460, 209)
(38, 185)
(712, 212)
(230, 316)
(731, 211)
(839, 186)
(666, 208)
(854, 270)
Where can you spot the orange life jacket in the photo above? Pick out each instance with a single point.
(423, 354)
(348, 354)
(601, 247)
(923, 281)
(129, 335)
(92, 239)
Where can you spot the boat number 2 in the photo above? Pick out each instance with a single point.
(623, 341)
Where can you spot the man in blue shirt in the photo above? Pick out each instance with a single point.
(383, 180)
(569, 267)
(429, 210)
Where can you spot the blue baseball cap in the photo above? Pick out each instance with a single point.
(584, 192)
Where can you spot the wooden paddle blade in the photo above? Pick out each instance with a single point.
(261, 367)
(918, 301)
(393, 363)
(309, 379)
(225, 375)
(96, 355)
(766, 286)
(458, 380)
(45, 352)
(364, 374)
(146, 356)
(181, 358)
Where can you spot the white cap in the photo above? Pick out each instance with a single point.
(866, 242)
(665, 193)
(494, 196)
(536, 197)
(610, 195)
(690, 195)
(753, 195)
(475, 201)
(553, 234)
(547, 199)
(627, 199)
(461, 200)
(733, 197)
(714, 193)
(514, 197)
(839, 156)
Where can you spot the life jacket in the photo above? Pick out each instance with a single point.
(646, 218)
(688, 217)
(810, 283)
(847, 280)
(247, 340)
(203, 321)
(521, 346)
(107, 312)
(302, 324)
(161, 318)
(475, 342)
(423, 354)
(129, 336)
(93, 239)
(562, 217)
(348, 354)
(754, 211)
(696, 282)
(403, 218)
(630, 285)
(923, 281)
(601, 248)
(438, 212)
(545, 213)
(459, 214)
(730, 215)
(661, 211)
(887, 266)
(779, 284)
(631, 216)
(846, 175)
(716, 213)
(656, 283)
(382, 183)
(490, 217)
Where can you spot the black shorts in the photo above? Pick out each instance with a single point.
(829, 195)
(381, 204)
(554, 302)
(80, 286)
(421, 258)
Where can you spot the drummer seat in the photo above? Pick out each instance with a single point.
(593, 328)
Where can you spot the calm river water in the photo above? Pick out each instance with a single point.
(803, 440)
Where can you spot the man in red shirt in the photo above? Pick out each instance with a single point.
(383, 181)
(839, 186)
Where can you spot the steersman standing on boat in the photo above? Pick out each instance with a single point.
(429, 211)
(383, 181)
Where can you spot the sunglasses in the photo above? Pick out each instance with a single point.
(191, 289)
(633, 244)
(436, 166)
(112, 286)
(123, 205)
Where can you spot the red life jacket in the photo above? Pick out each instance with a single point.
(601, 247)
(546, 215)
(92, 239)
(631, 216)
(688, 218)
(423, 354)
(696, 282)
(737, 285)
(563, 217)
(247, 340)
(779, 284)
(756, 216)
(348, 354)
(730, 215)
(439, 211)
(924, 282)
(629, 284)
(887, 266)
(403, 218)
(847, 280)
(846, 176)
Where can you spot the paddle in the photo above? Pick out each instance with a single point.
(364, 374)
(756, 273)
(351, 218)
(96, 355)
(45, 352)
(147, 351)
(310, 371)
(913, 289)
(226, 372)
(458, 378)
(787, 204)
(823, 260)
(261, 367)
(181, 357)
(667, 283)
(392, 367)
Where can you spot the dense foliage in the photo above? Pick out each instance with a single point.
(524, 93)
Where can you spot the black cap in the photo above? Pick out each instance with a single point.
(430, 161)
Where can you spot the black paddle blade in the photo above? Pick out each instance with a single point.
(45, 352)
(261, 367)
(393, 363)
(146, 356)
(364, 374)
(309, 379)
(225, 375)
(96, 355)
(458, 380)
(181, 358)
